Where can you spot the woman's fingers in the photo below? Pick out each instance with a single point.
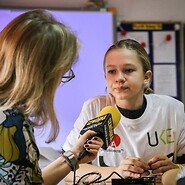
(94, 144)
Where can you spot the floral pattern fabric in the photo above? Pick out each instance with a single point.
(19, 154)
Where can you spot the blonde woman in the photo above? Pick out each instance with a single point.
(36, 55)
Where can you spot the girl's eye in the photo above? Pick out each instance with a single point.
(128, 70)
(111, 71)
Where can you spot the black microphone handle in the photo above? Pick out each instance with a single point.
(82, 154)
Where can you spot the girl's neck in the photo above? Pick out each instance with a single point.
(131, 104)
(133, 113)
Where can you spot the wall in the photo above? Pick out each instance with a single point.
(128, 10)
(148, 10)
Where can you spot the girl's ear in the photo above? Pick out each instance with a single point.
(147, 77)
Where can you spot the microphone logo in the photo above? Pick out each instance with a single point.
(103, 125)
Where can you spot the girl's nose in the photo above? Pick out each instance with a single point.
(121, 76)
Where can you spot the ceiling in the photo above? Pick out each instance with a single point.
(44, 3)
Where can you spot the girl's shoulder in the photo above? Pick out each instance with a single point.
(97, 103)
(164, 100)
(101, 100)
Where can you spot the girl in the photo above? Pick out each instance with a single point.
(150, 137)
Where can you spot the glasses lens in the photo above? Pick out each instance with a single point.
(68, 76)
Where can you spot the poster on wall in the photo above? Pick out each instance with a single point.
(141, 37)
(164, 47)
(165, 79)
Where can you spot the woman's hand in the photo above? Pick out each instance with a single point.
(92, 146)
(161, 164)
(133, 167)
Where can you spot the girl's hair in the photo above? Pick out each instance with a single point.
(140, 51)
(35, 52)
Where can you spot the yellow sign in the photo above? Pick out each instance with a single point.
(147, 26)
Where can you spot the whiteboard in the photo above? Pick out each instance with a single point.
(95, 30)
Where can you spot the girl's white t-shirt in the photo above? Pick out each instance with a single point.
(159, 131)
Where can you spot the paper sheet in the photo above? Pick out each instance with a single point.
(164, 47)
(165, 80)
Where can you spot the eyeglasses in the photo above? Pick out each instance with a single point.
(68, 76)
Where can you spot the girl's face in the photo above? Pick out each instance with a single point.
(125, 77)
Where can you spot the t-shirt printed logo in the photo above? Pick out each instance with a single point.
(116, 141)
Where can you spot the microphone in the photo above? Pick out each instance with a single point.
(104, 125)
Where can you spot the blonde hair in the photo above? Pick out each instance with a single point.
(140, 51)
(35, 52)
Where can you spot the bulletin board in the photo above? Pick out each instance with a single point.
(161, 40)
